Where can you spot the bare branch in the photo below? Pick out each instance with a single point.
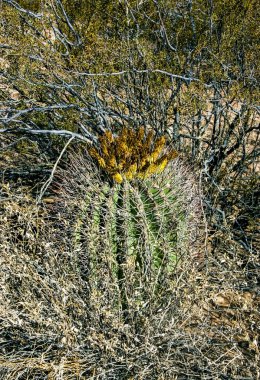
(16, 131)
(48, 182)
(119, 73)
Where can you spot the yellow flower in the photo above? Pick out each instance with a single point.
(117, 178)
(162, 165)
(132, 154)
(111, 163)
(101, 162)
(131, 171)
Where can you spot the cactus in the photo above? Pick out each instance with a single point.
(131, 226)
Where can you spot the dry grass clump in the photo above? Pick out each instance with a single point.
(57, 325)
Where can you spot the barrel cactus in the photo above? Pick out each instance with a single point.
(133, 215)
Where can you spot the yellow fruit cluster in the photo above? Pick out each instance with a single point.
(132, 154)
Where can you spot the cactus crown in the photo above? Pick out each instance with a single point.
(132, 154)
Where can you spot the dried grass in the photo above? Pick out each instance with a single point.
(206, 329)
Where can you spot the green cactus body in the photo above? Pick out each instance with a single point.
(132, 234)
